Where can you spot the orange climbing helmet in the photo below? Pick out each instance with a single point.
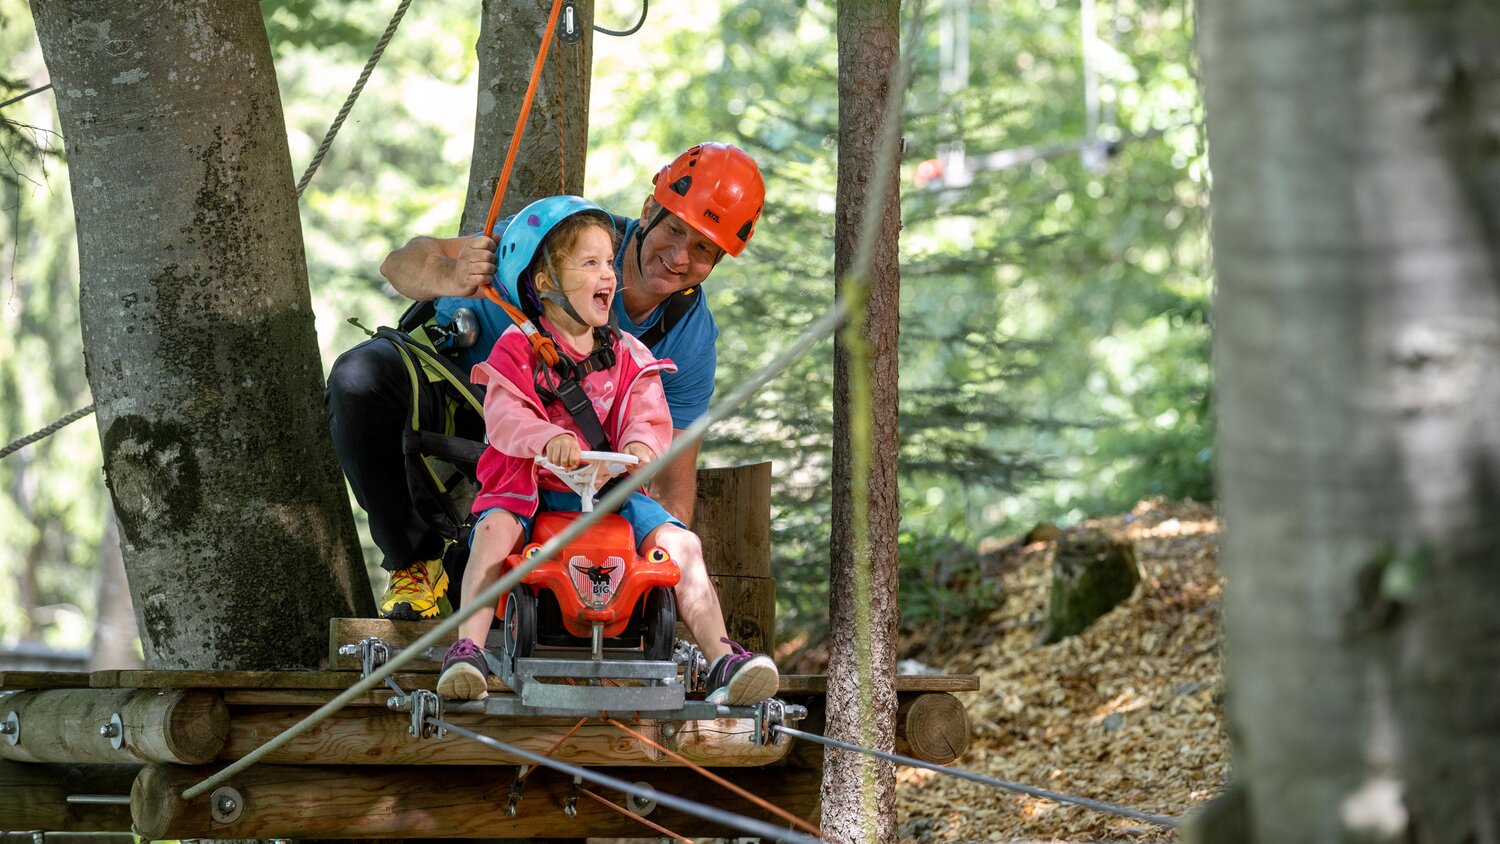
(715, 188)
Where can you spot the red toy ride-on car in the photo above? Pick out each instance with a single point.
(595, 593)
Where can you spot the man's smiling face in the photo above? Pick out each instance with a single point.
(674, 256)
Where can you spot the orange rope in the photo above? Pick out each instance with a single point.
(775, 810)
(566, 736)
(515, 138)
(624, 811)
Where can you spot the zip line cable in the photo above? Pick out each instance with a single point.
(626, 32)
(312, 167)
(749, 825)
(19, 97)
(1057, 797)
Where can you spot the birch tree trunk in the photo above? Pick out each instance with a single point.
(198, 333)
(554, 144)
(858, 792)
(1357, 244)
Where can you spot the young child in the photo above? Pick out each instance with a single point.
(556, 261)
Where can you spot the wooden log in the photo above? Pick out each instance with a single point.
(289, 801)
(732, 517)
(397, 634)
(64, 725)
(35, 797)
(933, 727)
(378, 737)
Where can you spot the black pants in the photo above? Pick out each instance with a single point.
(369, 408)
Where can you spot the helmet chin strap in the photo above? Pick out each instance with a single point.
(640, 238)
(561, 301)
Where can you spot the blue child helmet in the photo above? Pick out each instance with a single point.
(523, 237)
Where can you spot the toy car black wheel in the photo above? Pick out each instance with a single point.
(661, 624)
(520, 625)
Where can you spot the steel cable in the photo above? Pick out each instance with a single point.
(626, 32)
(749, 825)
(1055, 796)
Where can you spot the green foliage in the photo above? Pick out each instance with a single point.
(1054, 354)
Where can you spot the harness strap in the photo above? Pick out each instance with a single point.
(677, 306)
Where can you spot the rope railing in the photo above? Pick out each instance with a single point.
(307, 174)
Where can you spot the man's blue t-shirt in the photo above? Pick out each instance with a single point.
(691, 343)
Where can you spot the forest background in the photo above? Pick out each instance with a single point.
(1055, 282)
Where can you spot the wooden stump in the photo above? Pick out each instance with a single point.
(1091, 573)
(933, 727)
(733, 520)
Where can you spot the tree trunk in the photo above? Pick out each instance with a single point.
(115, 623)
(198, 333)
(1357, 244)
(555, 141)
(858, 792)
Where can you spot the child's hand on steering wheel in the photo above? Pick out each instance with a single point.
(641, 452)
(563, 450)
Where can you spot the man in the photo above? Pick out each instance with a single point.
(704, 205)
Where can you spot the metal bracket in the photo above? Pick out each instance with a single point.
(570, 802)
(568, 29)
(372, 653)
(425, 704)
(114, 731)
(772, 713)
(517, 789)
(11, 728)
(225, 804)
(640, 806)
(694, 665)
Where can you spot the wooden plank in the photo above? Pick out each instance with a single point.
(307, 801)
(313, 680)
(369, 736)
(732, 517)
(817, 684)
(300, 697)
(397, 634)
(44, 679)
(35, 797)
(749, 605)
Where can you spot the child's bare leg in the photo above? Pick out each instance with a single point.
(746, 678)
(465, 676)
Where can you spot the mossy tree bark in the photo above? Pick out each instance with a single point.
(858, 792)
(1357, 246)
(198, 333)
(554, 144)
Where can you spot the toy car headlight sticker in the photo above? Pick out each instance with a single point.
(596, 582)
(657, 555)
(533, 551)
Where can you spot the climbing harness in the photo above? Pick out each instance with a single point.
(302, 183)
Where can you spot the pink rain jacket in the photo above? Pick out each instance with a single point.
(628, 398)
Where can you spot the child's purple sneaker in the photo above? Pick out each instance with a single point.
(465, 672)
(740, 678)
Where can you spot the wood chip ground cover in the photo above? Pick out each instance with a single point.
(1127, 712)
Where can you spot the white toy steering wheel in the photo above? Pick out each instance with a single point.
(594, 471)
